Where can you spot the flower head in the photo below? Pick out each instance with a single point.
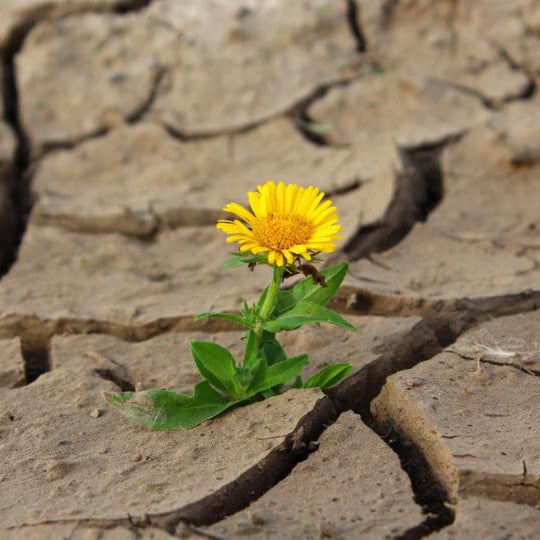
(286, 221)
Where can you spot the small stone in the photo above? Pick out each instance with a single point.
(255, 519)
(54, 470)
(96, 413)
(243, 526)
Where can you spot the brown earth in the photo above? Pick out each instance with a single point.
(129, 124)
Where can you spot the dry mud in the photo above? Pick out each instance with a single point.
(127, 125)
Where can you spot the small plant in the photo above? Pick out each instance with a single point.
(288, 226)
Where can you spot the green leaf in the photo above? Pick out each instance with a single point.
(216, 364)
(245, 257)
(272, 349)
(165, 409)
(149, 408)
(234, 262)
(229, 316)
(306, 313)
(205, 404)
(307, 291)
(262, 299)
(328, 376)
(279, 373)
(245, 308)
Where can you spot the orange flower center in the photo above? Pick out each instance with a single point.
(279, 232)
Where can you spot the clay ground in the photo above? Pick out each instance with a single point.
(128, 124)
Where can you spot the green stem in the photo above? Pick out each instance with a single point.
(271, 296)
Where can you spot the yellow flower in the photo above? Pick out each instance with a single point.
(286, 221)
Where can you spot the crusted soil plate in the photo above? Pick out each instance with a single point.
(114, 280)
(137, 178)
(473, 418)
(11, 364)
(332, 494)
(482, 239)
(227, 66)
(75, 464)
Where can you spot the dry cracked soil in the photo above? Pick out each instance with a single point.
(127, 125)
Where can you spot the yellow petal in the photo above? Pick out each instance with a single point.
(328, 230)
(238, 238)
(290, 197)
(240, 211)
(306, 199)
(271, 197)
(312, 208)
(323, 215)
(229, 228)
(255, 203)
(288, 255)
(259, 249)
(299, 250)
(280, 198)
(322, 246)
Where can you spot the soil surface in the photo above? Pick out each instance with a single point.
(127, 125)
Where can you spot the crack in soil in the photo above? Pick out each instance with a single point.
(519, 489)
(513, 64)
(132, 118)
(492, 103)
(138, 115)
(36, 357)
(419, 189)
(348, 300)
(526, 93)
(36, 14)
(429, 337)
(15, 326)
(428, 491)
(121, 382)
(358, 391)
(20, 188)
(436, 331)
(145, 226)
(355, 25)
(239, 493)
(296, 111)
(347, 187)
(359, 301)
(301, 119)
